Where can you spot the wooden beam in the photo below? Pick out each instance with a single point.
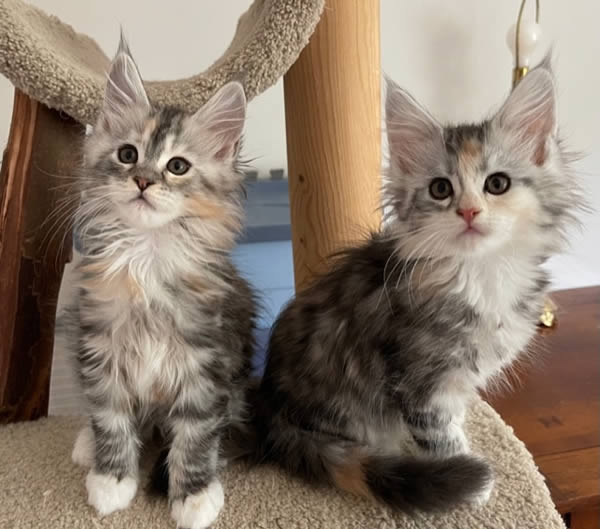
(43, 147)
(332, 108)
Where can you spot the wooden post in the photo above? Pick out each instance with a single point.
(35, 243)
(332, 108)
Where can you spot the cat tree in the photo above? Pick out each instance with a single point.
(332, 102)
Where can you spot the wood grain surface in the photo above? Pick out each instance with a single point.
(332, 108)
(585, 519)
(573, 478)
(555, 406)
(43, 148)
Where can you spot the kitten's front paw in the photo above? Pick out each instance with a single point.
(83, 450)
(107, 494)
(199, 510)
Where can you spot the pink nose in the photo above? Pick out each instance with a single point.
(142, 183)
(468, 214)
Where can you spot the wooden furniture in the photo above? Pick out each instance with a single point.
(332, 114)
(35, 244)
(555, 407)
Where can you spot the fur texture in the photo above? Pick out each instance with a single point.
(162, 328)
(370, 369)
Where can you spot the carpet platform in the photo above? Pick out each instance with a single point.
(40, 488)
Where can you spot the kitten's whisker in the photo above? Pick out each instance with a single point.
(409, 258)
(432, 259)
(417, 261)
(57, 217)
(394, 253)
(57, 175)
(62, 215)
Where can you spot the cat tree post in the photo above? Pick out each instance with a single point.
(332, 108)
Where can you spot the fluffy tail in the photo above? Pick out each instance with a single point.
(403, 483)
(410, 484)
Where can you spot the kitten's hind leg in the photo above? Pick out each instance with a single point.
(194, 489)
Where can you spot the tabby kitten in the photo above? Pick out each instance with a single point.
(163, 324)
(370, 369)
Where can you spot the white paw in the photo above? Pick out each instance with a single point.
(107, 494)
(483, 496)
(199, 510)
(83, 451)
(459, 439)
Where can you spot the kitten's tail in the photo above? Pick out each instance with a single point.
(410, 484)
(403, 483)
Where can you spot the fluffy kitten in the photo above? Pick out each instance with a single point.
(163, 324)
(371, 368)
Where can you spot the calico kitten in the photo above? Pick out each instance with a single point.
(163, 323)
(370, 369)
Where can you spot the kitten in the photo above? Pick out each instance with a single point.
(371, 368)
(163, 324)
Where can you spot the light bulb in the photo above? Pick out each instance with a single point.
(530, 34)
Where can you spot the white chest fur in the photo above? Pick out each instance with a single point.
(127, 294)
(495, 289)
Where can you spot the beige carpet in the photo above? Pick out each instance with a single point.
(41, 489)
(52, 63)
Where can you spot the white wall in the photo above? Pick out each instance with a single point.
(451, 55)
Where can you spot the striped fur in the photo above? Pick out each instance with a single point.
(370, 369)
(162, 327)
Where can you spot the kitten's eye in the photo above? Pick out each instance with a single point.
(440, 188)
(128, 154)
(178, 166)
(497, 183)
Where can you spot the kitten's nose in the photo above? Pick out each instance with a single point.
(468, 214)
(142, 183)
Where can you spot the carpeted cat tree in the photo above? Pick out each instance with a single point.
(334, 158)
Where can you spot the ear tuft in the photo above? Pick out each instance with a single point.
(123, 44)
(124, 87)
(414, 136)
(223, 117)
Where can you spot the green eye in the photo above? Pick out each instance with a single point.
(497, 184)
(178, 166)
(440, 188)
(128, 154)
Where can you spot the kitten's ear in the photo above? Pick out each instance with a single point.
(222, 118)
(529, 113)
(414, 136)
(124, 88)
